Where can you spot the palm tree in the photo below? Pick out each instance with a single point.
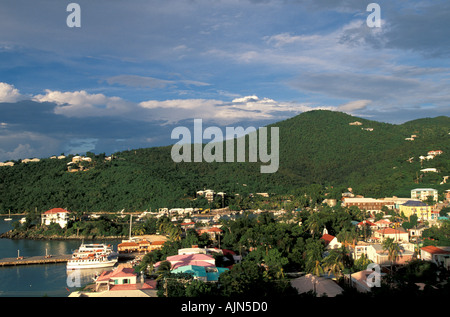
(393, 249)
(314, 258)
(175, 234)
(163, 269)
(334, 262)
(313, 223)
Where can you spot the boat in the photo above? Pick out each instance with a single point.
(9, 217)
(89, 256)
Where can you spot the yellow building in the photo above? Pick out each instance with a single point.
(418, 208)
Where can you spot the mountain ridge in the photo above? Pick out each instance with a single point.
(316, 147)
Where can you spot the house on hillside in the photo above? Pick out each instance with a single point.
(213, 232)
(423, 193)
(55, 215)
(123, 280)
(437, 255)
(375, 253)
(371, 205)
(395, 234)
(331, 242)
(418, 208)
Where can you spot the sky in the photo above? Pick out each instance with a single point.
(135, 70)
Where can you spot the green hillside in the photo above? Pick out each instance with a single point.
(316, 147)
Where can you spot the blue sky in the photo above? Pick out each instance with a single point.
(134, 70)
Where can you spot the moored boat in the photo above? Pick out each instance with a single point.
(92, 256)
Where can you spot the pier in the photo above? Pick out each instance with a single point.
(35, 260)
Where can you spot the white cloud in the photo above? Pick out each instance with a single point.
(8, 93)
(82, 104)
(353, 105)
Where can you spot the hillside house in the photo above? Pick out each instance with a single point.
(55, 215)
(423, 193)
(395, 234)
(213, 232)
(371, 205)
(438, 152)
(418, 208)
(437, 255)
(376, 254)
(123, 279)
(331, 242)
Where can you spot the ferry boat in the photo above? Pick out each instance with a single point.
(92, 256)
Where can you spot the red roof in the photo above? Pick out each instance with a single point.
(327, 237)
(55, 211)
(215, 229)
(434, 250)
(391, 231)
(366, 222)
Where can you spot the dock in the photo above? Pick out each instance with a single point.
(35, 260)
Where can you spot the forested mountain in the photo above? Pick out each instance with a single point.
(316, 147)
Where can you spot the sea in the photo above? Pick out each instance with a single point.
(41, 280)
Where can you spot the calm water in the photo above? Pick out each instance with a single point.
(39, 280)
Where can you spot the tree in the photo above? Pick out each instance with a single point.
(393, 249)
(313, 223)
(334, 262)
(314, 257)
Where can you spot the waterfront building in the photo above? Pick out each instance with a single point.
(55, 215)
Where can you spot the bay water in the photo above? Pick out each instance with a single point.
(40, 280)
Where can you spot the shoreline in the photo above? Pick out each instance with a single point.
(23, 235)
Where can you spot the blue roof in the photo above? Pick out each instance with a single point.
(414, 203)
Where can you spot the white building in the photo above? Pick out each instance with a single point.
(55, 215)
(423, 193)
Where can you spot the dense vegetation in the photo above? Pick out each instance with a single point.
(317, 148)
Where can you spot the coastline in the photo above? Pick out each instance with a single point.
(11, 234)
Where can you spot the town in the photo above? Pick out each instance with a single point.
(326, 249)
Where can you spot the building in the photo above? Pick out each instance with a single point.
(418, 208)
(395, 234)
(320, 286)
(55, 215)
(429, 170)
(177, 261)
(447, 194)
(437, 255)
(7, 164)
(213, 232)
(331, 242)
(383, 223)
(203, 273)
(355, 123)
(139, 246)
(376, 254)
(438, 152)
(371, 205)
(123, 280)
(207, 193)
(423, 193)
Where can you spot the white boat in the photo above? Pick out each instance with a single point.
(92, 256)
(9, 217)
